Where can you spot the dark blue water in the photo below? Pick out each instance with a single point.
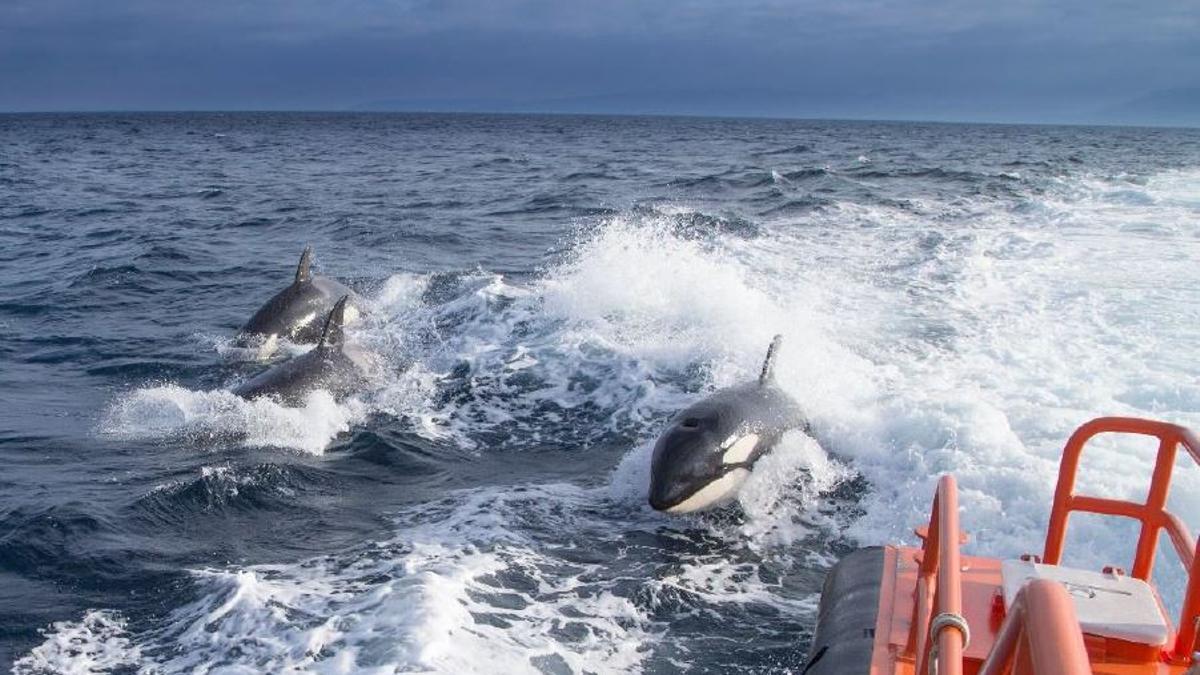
(545, 291)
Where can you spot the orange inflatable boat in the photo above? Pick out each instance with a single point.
(898, 609)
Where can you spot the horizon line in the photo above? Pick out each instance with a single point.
(559, 113)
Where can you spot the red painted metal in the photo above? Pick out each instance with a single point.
(1039, 635)
(939, 586)
(1152, 513)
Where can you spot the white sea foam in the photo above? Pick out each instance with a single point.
(982, 348)
(916, 349)
(975, 351)
(945, 336)
(520, 579)
(171, 411)
(462, 590)
(97, 643)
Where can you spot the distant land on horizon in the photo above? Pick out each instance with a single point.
(1178, 107)
(1175, 108)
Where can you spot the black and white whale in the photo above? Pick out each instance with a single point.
(705, 455)
(298, 311)
(332, 365)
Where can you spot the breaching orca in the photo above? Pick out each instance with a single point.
(297, 311)
(332, 365)
(702, 459)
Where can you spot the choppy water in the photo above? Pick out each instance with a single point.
(546, 291)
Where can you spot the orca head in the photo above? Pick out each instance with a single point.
(700, 461)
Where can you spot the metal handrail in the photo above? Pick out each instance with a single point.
(1152, 514)
(939, 588)
(1040, 635)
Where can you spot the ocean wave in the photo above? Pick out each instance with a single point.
(97, 643)
(479, 579)
(220, 417)
(958, 303)
(219, 489)
(798, 149)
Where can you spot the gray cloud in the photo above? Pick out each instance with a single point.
(1019, 59)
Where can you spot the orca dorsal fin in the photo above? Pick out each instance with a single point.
(768, 370)
(304, 269)
(333, 335)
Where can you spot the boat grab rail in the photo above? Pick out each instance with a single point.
(941, 635)
(1152, 513)
(1040, 634)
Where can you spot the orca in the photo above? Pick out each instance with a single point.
(332, 365)
(707, 452)
(297, 311)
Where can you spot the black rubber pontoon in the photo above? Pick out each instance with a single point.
(846, 617)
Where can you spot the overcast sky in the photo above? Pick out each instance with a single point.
(942, 59)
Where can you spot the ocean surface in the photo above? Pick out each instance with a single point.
(545, 291)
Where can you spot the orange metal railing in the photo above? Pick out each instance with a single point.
(1040, 634)
(1152, 514)
(939, 587)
